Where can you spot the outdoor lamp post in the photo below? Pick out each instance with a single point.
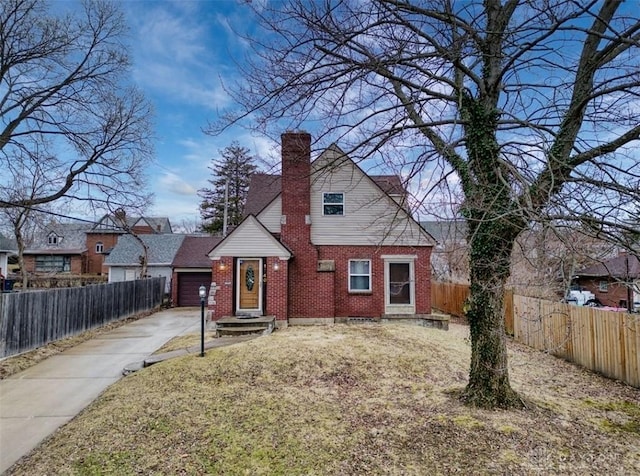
(203, 293)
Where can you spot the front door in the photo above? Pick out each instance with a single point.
(399, 287)
(249, 286)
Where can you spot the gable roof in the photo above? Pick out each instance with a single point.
(250, 238)
(162, 250)
(194, 251)
(623, 266)
(71, 239)
(446, 231)
(264, 188)
(108, 224)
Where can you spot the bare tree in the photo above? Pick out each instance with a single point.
(65, 107)
(529, 109)
(24, 221)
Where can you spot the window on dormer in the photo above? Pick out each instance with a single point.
(332, 203)
(54, 239)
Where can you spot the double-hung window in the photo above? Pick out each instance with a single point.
(359, 275)
(333, 203)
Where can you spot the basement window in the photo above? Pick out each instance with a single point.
(333, 203)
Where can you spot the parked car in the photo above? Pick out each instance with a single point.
(581, 297)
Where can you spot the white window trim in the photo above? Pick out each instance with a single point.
(400, 308)
(99, 247)
(344, 205)
(603, 286)
(369, 275)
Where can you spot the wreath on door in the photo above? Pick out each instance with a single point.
(250, 278)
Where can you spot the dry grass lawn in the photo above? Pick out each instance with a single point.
(361, 399)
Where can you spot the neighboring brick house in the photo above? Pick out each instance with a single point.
(57, 248)
(103, 236)
(81, 248)
(323, 242)
(614, 282)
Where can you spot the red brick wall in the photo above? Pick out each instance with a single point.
(373, 304)
(615, 293)
(95, 260)
(78, 264)
(276, 288)
(310, 293)
(222, 276)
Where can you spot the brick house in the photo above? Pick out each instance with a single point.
(73, 248)
(614, 282)
(57, 248)
(103, 236)
(321, 243)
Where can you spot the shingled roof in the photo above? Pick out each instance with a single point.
(263, 188)
(193, 252)
(8, 245)
(162, 250)
(623, 266)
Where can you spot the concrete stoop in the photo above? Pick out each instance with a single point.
(240, 325)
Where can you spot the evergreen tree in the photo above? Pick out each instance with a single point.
(234, 167)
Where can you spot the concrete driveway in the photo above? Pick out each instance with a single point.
(37, 401)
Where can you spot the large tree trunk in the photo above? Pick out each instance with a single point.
(491, 243)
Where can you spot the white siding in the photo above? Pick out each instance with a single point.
(371, 217)
(271, 215)
(129, 273)
(250, 239)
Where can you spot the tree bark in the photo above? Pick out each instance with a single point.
(489, 385)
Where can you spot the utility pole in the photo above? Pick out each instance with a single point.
(226, 208)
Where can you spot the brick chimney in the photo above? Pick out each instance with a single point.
(296, 193)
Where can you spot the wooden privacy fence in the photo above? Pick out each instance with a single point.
(32, 319)
(449, 297)
(604, 341)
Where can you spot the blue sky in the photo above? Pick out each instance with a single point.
(181, 53)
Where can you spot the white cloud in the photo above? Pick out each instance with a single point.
(173, 183)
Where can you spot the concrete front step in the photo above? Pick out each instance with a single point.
(232, 325)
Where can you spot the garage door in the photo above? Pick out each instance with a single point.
(188, 285)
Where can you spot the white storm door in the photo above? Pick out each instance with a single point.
(399, 284)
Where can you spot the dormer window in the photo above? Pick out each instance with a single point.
(99, 247)
(54, 239)
(332, 203)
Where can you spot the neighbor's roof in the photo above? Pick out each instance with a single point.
(622, 266)
(162, 250)
(446, 230)
(71, 239)
(8, 244)
(109, 224)
(263, 188)
(193, 252)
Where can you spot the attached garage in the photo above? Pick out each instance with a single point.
(188, 285)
